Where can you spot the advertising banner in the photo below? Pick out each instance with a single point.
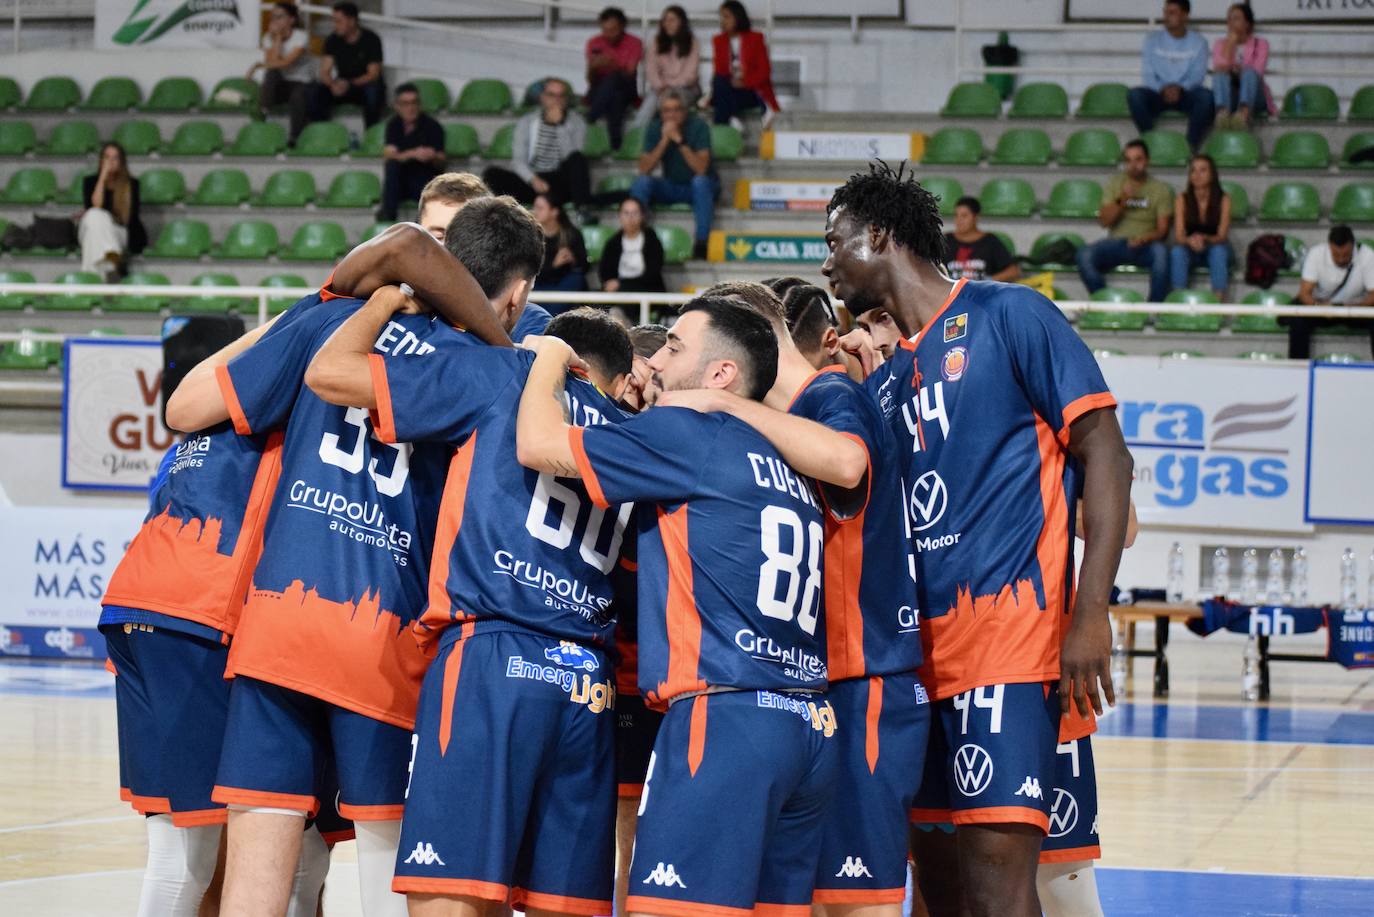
(754, 246)
(841, 145)
(127, 24)
(783, 195)
(112, 432)
(1341, 445)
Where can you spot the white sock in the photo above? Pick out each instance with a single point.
(1068, 889)
(181, 863)
(311, 870)
(377, 843)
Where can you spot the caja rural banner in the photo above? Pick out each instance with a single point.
(754, 246)
(127, 24)
(842, 145)
(112, 432)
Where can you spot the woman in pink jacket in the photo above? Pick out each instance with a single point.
(1238, 63)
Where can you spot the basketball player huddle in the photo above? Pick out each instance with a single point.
(747, 613)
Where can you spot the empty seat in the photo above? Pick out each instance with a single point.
(1182, 323)
(631, 145)
(287, 188)
(1240, 200)
(322, 138)
(594, 236)
(677, 243)
(434, 95)
(373, 144)
(285, 282)
(31, 185)
(250, 240)
(173, 93)
(1041, 255)
(258, 138)
(353, 189)
(376, 229)
(1300, 150)
(233, 93)
(1267, 298)
(318, 241)
(1105, 100)
(1113, 321)
(161, 186)
(1040, 100)
(1092, 146)
(196, 138)
(53, 93)
(1168, 149)
(72, 138)
(1345, 359)
(1311, 102)
(9, 93)
(727, 144)
(138, 137)
(17, 138)
(1074, 199)
(1117, 295)
(483, 97)
(618, 183)
(187, 239)
(1261, 356)
(501, 143)
(598, 142)
(948, 190)
(1362, 105)
(954, 146)
(1022, 146)
(27, 353)
(210, 303)
(113, 93)
(1232, 149)
(222, 188)
(1007, 197)
(973, 100)
(1296, 250)
(1364, 140)
(1354, 203)
(461, 142)
(146, 302)
(72, 193)
(1261, 324)
(71, 302)
(1290, 200)
(13, 302)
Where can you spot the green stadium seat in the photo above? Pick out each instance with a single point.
(1201, 323)
(1074, 199)
(1343, 359)
(1311, 102)
(1117, 295)
(318, 241)
(26, 353)
(113, 93)
(1168, 149)
(1040, 100)
(1183, 355)
(1105, 100)
(631, 145)
(1296, 250)
(1261, 324)
(139, 138)
(598, 142)
(209, 303)
(131, 302)
(1112, 321)
(1007, 242)
(677, 244)
(196, 138)
(1022, 146)
(973, 100)
(222, 188)
(246, 92)
(279, 304)
(17, 138)
(107, 332)
(184, 239)
(594, 236)
(53, 93)
(1040, 260)
(1353, 144)
(461, 142)
(258, 138)
(72, 138)
(948, 190)
(1292, 201)
(72, 193)
(1267, 298)
(501, 143)
(322, 138)
(483, 97)
(434, 95)
(13, 302)
(1362, 105)
(250, 240)
(9, 93)
(1232, 149)
(953, 146)
(1007, 197)
(1261, 356)
(1354, 203)
(1240, 200)
(161, 186)
(174, 94)
(71, 302)
(1092, 146)
(30, 185)
(617, 183)
(353, 189)
(287, 188)
(376, 229)
(727, 143)
(1300, 150)
(374, 141)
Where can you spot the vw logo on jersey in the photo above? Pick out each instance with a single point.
(954, 363)
(1064, 815)
(929, 497)
(972, 769)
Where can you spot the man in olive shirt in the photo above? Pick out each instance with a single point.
(350, 69)
(681, 142)
(1136, 210)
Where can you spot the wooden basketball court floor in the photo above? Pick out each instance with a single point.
(1208, 805)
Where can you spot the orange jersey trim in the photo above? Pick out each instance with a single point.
(629, 790)
(696, 736)
(668, 907)
(683, 618)
(451, 507)
(471, 888)
(859, 896)
(584, 465)
(1002, 815)
(231, 401)
(109, 667)
(383, 421)
(237, 796)
(930, 816)
(338, 837)
(874, 713)
(523, 898)
(939, 313)
(1074, 726)
(1071, 854)
(370, 813)
(156, 805)
(782, 910)
(125, 795)
(812, 378)
(200, 817)
(844, 620)
(453, 666)
(1080, 406)
(326, 293)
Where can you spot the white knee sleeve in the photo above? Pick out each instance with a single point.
(311, 870)
(1068, 889)
(181, 863)
(377, 843)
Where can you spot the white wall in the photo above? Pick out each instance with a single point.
(31, 475)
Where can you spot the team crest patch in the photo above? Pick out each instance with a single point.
(956, 326)
(954, 364)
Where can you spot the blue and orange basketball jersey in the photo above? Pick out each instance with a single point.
(981, 402)
(730, 549)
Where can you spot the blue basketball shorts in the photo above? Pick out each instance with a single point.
(1073, 806)
(991, 757)
(280, 745)
(636, 728)
(881, 750)
(737, 789)
(512, 792)
(171, 702)
(333, 827)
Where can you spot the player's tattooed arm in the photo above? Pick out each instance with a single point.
(198, 402)
(541, 427)
(340, 373)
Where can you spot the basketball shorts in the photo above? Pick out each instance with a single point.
(1073, 806)
(512, 790)
(334, 828)
(171, 701)
(280, 745)
(991, 757)
(636, 728)
(881, 750)
(740, 778)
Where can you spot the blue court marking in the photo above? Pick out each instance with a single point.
(1150, 892)
(1239, 724)
(55, 679)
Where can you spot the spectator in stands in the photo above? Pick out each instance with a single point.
(565, 252)
(546, 152)
(413, 154)
(444, 196)
(743, 75)
(350, 70)
(632, 261)
(613, 57)
(1173, 67)
(1337, 273)
(1238, 61)
(288, 69)
(110, 229)
(972, 253)
(681, 143)
(1136, 209)
(673, 61)
(1202, 222)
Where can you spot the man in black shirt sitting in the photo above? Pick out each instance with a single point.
(414, 151)
(974, 254)
(350, 69)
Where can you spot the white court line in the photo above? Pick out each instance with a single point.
(1233, 770)
(11, 883)
(1223, 871)
(43, 826)
(1097, 736)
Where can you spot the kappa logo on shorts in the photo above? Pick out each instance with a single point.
(424, 855)
(570, 654)
(972, 769)
(664, 875)
(1030, 788)
(1064, 815)
(853, 868)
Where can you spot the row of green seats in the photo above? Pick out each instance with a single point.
(80, 302)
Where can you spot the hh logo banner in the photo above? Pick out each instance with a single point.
(841, 145)
(734, 246)
(176, 24)
(112, 432)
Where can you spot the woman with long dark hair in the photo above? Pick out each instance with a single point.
(673, 61)
(743, 75)
(1202, 222)
(110, 229)
(632, 261)
(565, 251)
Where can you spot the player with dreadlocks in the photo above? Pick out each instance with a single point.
(1007, 422)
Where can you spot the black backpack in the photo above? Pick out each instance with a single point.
(1265, 257)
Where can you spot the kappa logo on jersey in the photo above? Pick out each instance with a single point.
(596, 695)
(972, 769)
(956, 326)
(929, 499)
(1030, 788)
(664, 875)
(424, 855)
(1064, 815)
(853, 868)
(570, 654)
(954, 363)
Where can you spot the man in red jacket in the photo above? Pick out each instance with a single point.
(743, 75)
(613, 57)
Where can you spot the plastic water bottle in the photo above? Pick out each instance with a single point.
(1175, 581)
(1297, 582)
(1221, 572)
(1273, 580)
(1120, 662)
(1350, 599)
(1250, 670)
(1249, 577)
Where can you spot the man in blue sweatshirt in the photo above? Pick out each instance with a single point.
(1173, 66)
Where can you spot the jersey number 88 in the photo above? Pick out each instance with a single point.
(806, 545)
